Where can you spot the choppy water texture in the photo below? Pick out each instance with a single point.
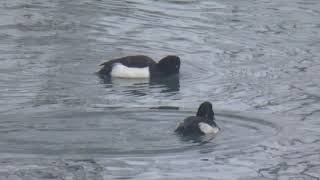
(258, 62)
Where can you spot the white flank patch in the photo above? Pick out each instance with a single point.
(122, 71)
(207, 129)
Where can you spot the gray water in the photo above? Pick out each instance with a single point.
(256, 61)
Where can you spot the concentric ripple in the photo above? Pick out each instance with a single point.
(127, 132)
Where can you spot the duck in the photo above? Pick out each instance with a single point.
(201, 124)
(140, 66)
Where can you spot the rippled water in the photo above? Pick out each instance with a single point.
(256, 61)
(122, 132)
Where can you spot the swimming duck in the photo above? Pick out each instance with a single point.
(203, 123)
(140, 66)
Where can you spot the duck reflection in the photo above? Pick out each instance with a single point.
(200, 140)
(170, 83)
(141, 86)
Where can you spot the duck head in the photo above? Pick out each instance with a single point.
(205, 111)
(169, 65)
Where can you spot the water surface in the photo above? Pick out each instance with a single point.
(256, 61)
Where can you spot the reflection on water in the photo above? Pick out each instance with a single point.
(201, 140)
(169, 84)
(139, 87)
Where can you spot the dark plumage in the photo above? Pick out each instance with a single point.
(202, 123)
(167, 66)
